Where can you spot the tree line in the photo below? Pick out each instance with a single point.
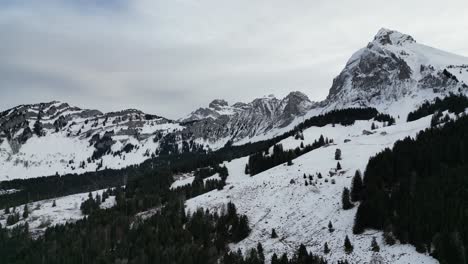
(454, 103)
(417, 192)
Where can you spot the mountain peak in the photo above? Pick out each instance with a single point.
(391, 37)
(298, 94)
(218, 104)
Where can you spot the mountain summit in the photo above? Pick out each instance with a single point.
(393, 66)
(392, 37)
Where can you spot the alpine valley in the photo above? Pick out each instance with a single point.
(375, 173)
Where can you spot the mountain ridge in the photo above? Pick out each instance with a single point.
(392, 73)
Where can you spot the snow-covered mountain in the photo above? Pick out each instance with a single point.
(392, 73)
(245, 120)
(395, 75)
(48, 138)
(394, 66)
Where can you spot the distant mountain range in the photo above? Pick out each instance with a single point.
(49, 138)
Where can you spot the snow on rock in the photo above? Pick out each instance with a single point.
(278, 198)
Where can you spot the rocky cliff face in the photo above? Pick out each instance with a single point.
(42, 139)
(391, 67)
(243, 120)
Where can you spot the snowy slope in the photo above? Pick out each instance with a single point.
(299, 213)
(42, 214)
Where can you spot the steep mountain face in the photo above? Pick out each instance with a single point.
(42, 139)
(239, 121)
(394, 66)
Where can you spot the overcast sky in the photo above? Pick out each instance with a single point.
(170, 57)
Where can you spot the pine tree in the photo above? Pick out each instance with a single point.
(7, 210)
(330, 227)
(273, 233)
(321, 140)
(274, 259)
(261, 255)
(326, 249)
(338, 154)
(338, 166)
(25, 211)
(54, 204)
(356, 187)
(374, 245)
(284, 259)
(345, 199)
(373, 126)
(347, 245)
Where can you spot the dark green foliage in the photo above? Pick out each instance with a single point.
(301, 256)
(356, 187)
(326, 249)
(374, 245)
(453, 103)
(330, 227)
(344, 117)
(416, 192)
(90, 205)
(12, 218)
(258, 162)
(274, 259)
(338, 154)
(385, 118)
(25, 211)
(273, 233)
(348, 247)
(345, 200)
(105, 236)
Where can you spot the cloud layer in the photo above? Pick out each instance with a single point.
(170, 57)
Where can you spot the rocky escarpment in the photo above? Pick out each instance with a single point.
(244, 120)
(390, 67)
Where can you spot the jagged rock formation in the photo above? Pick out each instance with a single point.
(391, 67)
(242, 120)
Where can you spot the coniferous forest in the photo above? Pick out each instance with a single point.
(417, 192)
(453, 103)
